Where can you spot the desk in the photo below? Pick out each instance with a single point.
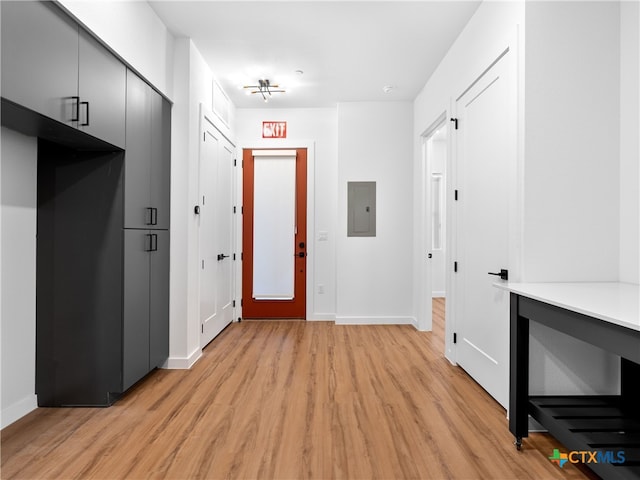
(602, 314)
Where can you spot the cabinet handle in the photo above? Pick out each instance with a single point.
(154, 242)
(76, 106)
(149, 248)
(85, 124)
(149, 219)
(154, 216)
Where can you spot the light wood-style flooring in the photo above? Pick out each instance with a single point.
(290, 400)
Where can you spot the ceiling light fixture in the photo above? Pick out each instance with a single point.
(264, 88)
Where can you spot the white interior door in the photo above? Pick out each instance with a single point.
(216, 233)
(482, 230)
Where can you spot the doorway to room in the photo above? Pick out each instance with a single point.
(435, 147)
(274, 240)
(436, 161)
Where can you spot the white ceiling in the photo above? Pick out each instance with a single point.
(348, 50)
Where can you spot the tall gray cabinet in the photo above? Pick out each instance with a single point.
(146, 236)
(102, 281)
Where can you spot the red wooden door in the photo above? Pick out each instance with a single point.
(253, 305)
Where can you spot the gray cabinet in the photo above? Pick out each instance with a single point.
(102, 313)
(146, 303)
(53, 68)
(146, 223)
(40, 59)
(148, 153)
(102, 87)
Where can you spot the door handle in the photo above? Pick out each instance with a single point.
(222, 256)
(302, 254)
(504, 274)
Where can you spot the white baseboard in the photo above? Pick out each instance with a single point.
(372, 320)
(183, 363)
(18, 410)
(322, 317)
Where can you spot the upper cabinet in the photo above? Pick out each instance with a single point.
(102, 89)
(40, 59)
(148, 157)
(53, 68)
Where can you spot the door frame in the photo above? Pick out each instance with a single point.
(283, 144)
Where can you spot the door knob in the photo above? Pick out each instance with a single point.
(504, 274)
(301, 254)
(222, 256)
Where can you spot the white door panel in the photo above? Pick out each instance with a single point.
(482, 216)
(216, 234)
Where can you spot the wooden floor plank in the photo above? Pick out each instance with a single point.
(290, 400)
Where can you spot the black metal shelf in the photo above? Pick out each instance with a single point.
(590, 423)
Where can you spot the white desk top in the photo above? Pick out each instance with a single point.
(616, 303)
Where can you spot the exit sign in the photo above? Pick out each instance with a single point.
(274, 129)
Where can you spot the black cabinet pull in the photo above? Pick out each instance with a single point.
(154, 242)
(76, 107)
(149, 219)
(86, 123)
(149, 245)
(154, 216)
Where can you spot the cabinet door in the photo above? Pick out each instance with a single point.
(137, 246)
(40, 59)
(160, 159)
(102, 83)
(137, 180)
(159, 300)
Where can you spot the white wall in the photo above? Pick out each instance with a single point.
(319, 127)
(133, 31)
(374, 274)
(18, 259)
(193, 87)
(572, 175)
(629, 142)
(572, 142)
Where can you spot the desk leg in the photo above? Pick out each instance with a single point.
(518, 373)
